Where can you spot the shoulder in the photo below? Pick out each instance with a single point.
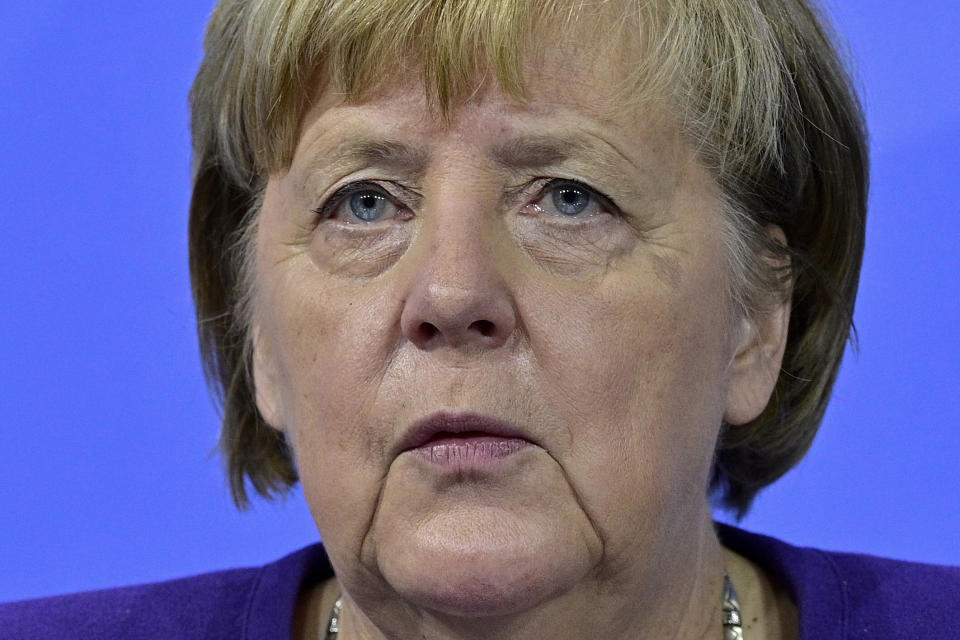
(904, 599)
(222, 604)
(843, 596)
(213, 602)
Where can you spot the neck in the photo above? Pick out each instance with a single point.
(671, 592)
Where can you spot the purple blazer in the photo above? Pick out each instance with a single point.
(840, 596)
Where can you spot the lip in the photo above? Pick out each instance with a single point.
(471, 429)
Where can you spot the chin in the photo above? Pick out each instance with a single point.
(480, 585)
(478, 571)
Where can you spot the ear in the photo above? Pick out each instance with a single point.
(266, 381)
(758, 354)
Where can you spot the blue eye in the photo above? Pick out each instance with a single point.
(368, 205)
(570, 200)
(361, 203)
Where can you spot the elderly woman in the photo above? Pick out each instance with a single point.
(513, 288)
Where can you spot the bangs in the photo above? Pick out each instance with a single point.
(284, 50)
(719, 60)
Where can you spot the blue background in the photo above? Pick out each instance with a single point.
(106, 430)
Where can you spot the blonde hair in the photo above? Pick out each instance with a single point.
(762, 96)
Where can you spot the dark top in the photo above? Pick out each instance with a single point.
(840, 596)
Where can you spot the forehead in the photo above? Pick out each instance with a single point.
(570, 109)
(358, 51)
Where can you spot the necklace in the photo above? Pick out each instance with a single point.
(333, 626)
(732, 623)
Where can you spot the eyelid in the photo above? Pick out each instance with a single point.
(328, 209)
(544, 185)
(331, 204)
(606, 202)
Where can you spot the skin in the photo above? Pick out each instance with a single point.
(608, 339)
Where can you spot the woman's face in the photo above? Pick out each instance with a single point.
(499, 344)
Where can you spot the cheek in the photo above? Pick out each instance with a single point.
(628, 343)
(634, 369)
(333, 345)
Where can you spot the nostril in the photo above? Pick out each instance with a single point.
(484, 328)
(427, 331)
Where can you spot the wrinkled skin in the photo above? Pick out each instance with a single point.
(607, 336)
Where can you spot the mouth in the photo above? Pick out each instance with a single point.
(464, 439)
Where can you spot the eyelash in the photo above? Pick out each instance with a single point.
(606, 202)
(329, 208)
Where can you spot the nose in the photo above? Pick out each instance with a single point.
(457, 297)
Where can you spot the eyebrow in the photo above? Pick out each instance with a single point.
(534, 152)
(544, 152)
(388, 154)
(518, 155)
